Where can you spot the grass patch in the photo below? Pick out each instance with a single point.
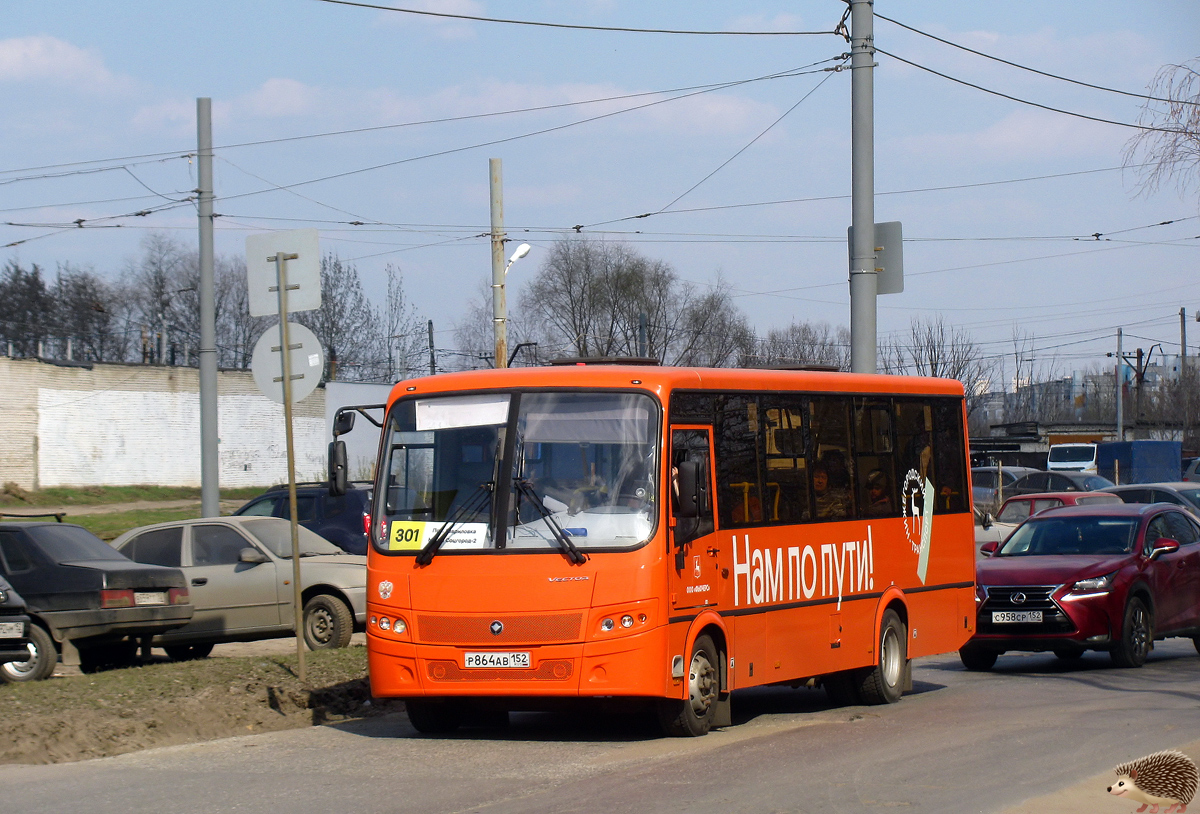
(12, 495)
(111, 526)
(167, 703)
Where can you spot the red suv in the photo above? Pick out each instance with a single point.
(1110, 577)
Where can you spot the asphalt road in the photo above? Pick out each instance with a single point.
(1035, 734)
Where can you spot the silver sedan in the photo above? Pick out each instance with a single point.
(239, 575)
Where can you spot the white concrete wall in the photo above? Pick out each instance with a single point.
(113, 425)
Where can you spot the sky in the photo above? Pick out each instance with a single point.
(744, 173)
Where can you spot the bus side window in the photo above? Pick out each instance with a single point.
(786, 444)
(873, 446)
(831, 470)
(740, 497)
(948, 456)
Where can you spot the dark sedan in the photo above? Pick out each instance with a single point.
(1180, 493)
(83, 598)
(1111, 577)
(14, 641)
(1057, 482)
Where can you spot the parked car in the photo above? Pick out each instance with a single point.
(1075, 578)
(1191, 469)
(341, 519)
(83, 598)
(1058, 482)
(1182, 494)
(14, 641)
(1016, 510)
(239, 570)
(985, 482)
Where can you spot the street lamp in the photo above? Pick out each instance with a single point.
(500, 307)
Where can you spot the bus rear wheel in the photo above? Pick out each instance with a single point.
(694, 715)
(884, 683)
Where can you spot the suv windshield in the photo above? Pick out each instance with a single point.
(1071, 535)
(578, 465)
(1062, 454)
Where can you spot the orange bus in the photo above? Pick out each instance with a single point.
(625, 531)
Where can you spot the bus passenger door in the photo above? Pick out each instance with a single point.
(696, 575)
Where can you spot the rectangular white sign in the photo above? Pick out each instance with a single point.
(303, 273)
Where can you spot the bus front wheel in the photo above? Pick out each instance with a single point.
(884, 683)
(694, 715)
(434, 717)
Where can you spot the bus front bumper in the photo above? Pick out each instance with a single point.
(634, 665)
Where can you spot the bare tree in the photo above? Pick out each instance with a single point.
(604, 299)
(1168, 146)
(942, 351)
(346, 324)
(802, 343)
(403, 330)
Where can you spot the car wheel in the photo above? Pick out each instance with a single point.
(43, 657)
(693, 716)
(434, 717)
(188, 652)
(884, 683)
(978, 659)
(109, 656)
(1137, 636)
(328, 623)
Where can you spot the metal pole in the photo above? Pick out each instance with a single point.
(1182, 339)
(285, 355)
(863, 282)
(432, 358)
(499, 306)
(1117, 382)
(210, 469)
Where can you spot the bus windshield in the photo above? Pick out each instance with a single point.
(580, 465)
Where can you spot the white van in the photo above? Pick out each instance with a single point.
(1072, 458)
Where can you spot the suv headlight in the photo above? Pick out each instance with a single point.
(1094, 584)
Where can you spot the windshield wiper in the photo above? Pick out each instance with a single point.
(569, 549)
(477, 501)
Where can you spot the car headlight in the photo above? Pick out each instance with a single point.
(1094, 584)
(3, 596)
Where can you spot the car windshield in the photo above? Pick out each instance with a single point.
(276, 535)
(1052, 534)
(1071, 454)
(585, 463)
(64, 543)
(1093, 482)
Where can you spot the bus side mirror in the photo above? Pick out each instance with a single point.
(342, 423)
(337, 467)
(687, 480)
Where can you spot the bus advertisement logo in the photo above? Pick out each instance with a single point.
(916, 504)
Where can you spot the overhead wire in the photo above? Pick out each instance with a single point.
(1019, 100)
(573, 26)
(1027, 68)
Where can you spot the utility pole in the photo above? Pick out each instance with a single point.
(1120, 390)
(210, 472)
(863, 282)
(432, 357)
(1182, 339)
(499, 306)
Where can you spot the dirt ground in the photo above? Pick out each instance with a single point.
(241, 688)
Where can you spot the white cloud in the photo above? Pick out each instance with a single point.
(42, 58)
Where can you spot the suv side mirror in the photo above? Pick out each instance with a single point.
(337, 466)
(989, 548)
(1163, 545)
(251, 555)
